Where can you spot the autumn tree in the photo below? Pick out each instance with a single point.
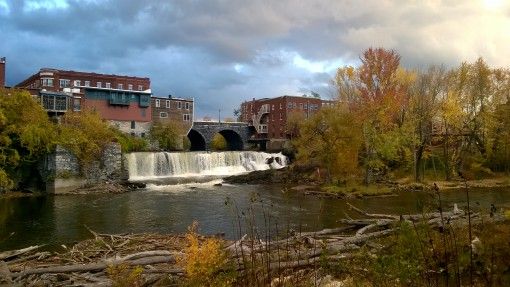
(380, 104)
(168, 135)
(219, 143)
(330, 139)
(26, 134)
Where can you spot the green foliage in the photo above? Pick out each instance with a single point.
(219, 142)
(331, 138)
(130, 143)
(168, 135)
(85, 134)
(25, 135)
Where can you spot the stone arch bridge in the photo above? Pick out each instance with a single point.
(236, 134)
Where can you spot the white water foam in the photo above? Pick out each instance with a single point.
(149, 165)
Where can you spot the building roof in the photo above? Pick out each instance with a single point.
(90, 73)
(173, 98)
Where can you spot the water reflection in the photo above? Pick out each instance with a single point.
(59, 220)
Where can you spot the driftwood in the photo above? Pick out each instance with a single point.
(86, 263)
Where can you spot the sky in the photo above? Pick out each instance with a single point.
(223, 52)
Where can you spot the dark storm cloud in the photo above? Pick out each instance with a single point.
(223, 52)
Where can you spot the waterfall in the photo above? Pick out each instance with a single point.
(153, 165)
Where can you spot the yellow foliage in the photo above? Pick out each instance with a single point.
(218, 142)
(204, 261)
(124, 276)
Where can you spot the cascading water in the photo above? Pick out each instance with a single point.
(144, 166)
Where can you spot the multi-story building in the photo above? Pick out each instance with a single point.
(170, 109)
(122, 100)
(2, 72)
(269, 115)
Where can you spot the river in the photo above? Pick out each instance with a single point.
(56, 220)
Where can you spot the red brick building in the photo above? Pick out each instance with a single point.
(122, 100)
(269, 115)
(170, 109)
(2, 72)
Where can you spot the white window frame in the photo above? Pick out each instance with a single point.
(99, 85)
(163, 115)
(77, 83)
(179, 105)
(186, 105)
(45, 82)
(167, 104)
(140, 88)
(87, 83)
(108, 85)
(158, 103)
(120, 86)
(130, 87)
(64, 83)
(186, 117)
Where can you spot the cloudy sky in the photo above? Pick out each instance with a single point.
(223, 52)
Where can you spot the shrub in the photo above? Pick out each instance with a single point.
(123, 275)
(168, 135)
(205, 263)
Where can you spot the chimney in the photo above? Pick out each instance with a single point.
(2, 72)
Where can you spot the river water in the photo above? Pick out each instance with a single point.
(56, 220)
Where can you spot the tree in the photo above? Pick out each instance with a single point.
(219, 142)
(26, 134)
(380, 104)
(293, 123)
(86, 135)
(168, 135)
(331, 139)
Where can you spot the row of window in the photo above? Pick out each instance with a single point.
(64, 83)
(303, 106)
(179, 104)
(185, 117)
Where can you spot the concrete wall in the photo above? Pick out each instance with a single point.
(64, 173)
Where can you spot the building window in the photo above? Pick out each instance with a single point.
(301, 105)
(281, 117)
(280, 106)
(133, 125)
(47, 82)
(186, 105)
(163, 115)
(158, 104)
(87, 83)
(294, 105)
(133, 134)
(76, 105)
(289, 105)
(143, 135)
(179, 105)
(65, 83)
(140, 88)
(167, 104)
(98, 84)
(186, 117)
(272, 107)
(119, 86)
(130, 87)
(77, 83)
(306, 106)
(108, 85)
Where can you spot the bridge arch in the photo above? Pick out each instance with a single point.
(197, 141)
(234, 140)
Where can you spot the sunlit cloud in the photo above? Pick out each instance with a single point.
(33, 5)
(4, 7)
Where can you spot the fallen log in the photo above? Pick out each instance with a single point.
(13, 253)
(94, 266)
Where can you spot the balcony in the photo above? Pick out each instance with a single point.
(262, 129)
(119, 99)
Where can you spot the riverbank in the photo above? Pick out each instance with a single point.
(302, 180)
(376, 249)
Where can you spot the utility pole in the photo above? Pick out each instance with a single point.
(219, 115)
